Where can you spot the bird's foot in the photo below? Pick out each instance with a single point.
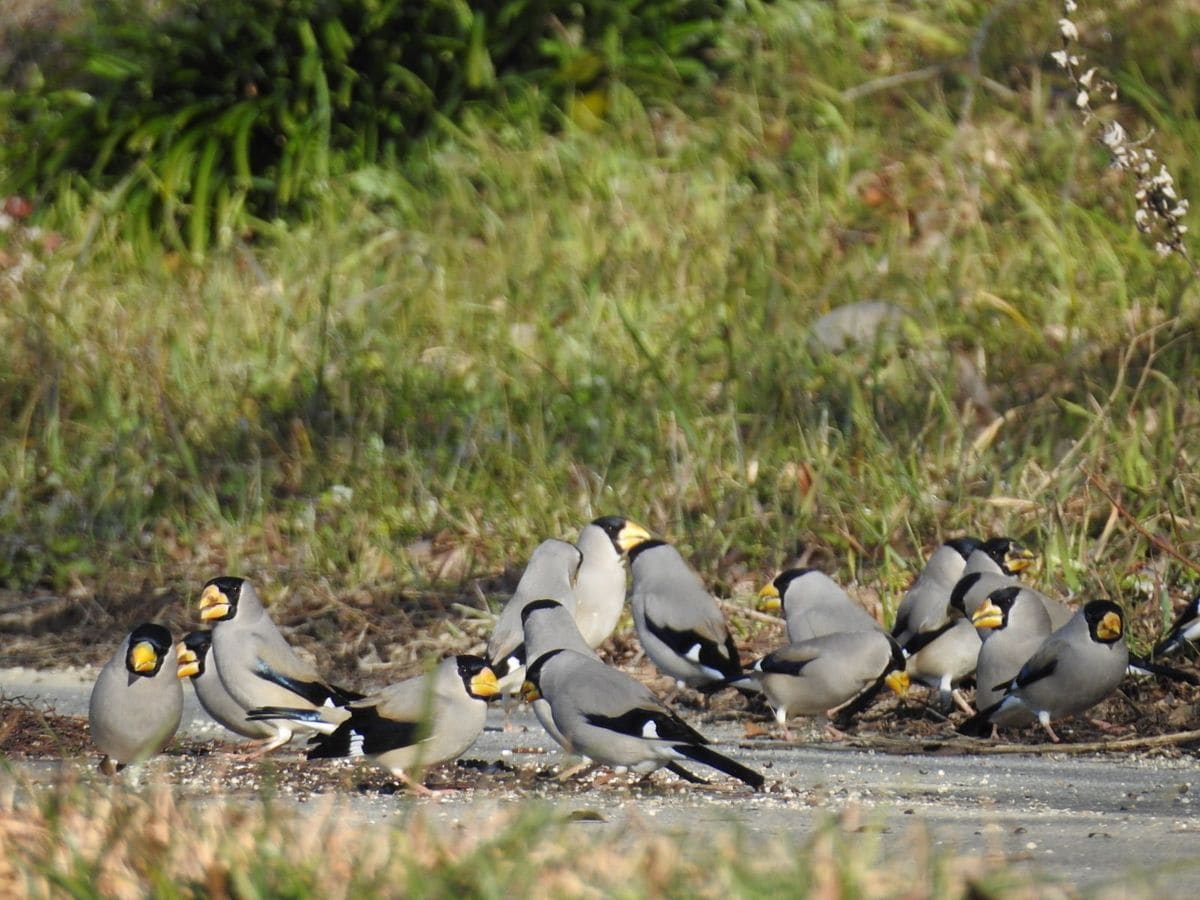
(834, 734)
(961, 702)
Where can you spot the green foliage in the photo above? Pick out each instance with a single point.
(211, 116)
(521, 328)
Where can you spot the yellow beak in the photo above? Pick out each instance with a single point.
(898, 682)
(1109, 628)
(144, 657)
(213, 604)
(484, 685)
(769, 599)
(188, 666)
(988, 616)
(1018, 559)
(632, 535)
(529, 692)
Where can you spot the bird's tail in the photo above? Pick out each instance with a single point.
(312, 718)
(685, 774)
(1167, 645)
(1163, 671)
(339, 743)
(709, 757)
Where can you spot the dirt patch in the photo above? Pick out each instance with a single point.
(28, 731)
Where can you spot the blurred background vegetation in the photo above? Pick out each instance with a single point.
(362, 299)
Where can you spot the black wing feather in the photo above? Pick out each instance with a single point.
(318, 693)
(378, 735)
(1029, 675)
(923, 639)
(711, 657)
(668, 726)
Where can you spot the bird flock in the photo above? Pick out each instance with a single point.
(966, 617)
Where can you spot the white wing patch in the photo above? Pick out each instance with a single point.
(694, 653)
(650, 730)
(356, 744)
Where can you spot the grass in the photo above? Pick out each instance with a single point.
(379, 412)
(84, 840)
(373, 412)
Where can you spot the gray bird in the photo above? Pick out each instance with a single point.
(943, 658)
(550, 573)
(677, 620)
(137, 701)
(1185, 629)
(616, 721)
(600, 583)
(813, 605)
(1018, 624)
(193, 663)
(256, 664)
(925, 605)
(548, 625)
(817, 676)
(973, 590)
(1075, 668)
(407, 726)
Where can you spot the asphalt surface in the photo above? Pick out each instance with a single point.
(1107, 823)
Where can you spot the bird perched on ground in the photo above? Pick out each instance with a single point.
(1018, 623)
(548, 625)
(193, 658)
(600, 582)
(615, 720)
(550, 573)
(813, 605)
(407, 726)
(942, 646)
(1185, 629)
(137, 701)
(816, 676)
(677, 620)
(924, 607)
(1072, 670)
(256, 664)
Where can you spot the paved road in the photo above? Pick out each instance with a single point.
(1086, 819)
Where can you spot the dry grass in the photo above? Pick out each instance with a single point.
(86, 840)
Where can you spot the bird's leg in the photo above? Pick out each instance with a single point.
(961, 702)
(259, 749)
(415, 786)
(508, 703)
(833, 734)
(831, 731)
(1044, 721)
(781, 719)
(674, 693)
(584, 765)
(1107, 727)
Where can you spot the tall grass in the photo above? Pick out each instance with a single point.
(518, 330)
